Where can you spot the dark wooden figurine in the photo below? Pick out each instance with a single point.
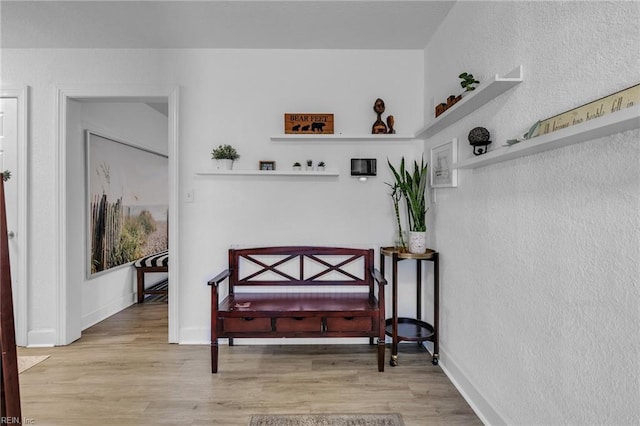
(379, 127)
(390, 123)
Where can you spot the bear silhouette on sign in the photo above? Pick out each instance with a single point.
(317, 127)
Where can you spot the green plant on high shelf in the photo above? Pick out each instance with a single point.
(468, 81)
(225, 152)
(6, 175)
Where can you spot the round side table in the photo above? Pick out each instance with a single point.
(412, 329)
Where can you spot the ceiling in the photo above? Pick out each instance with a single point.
(265, 24)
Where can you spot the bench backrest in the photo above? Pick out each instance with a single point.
(300, 266)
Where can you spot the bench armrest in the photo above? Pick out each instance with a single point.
(378, 277)
(219, 278)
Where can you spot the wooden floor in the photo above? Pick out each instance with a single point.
(123, 372)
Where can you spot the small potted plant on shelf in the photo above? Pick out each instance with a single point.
(6, 175)
(225, 155)
(468, 82)
(296, 167)
(321, 166)
(309, 165)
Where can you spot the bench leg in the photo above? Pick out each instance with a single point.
(214, 356)
(381, 347)
(140, 273)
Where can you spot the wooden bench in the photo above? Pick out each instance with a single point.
(158, 262)
(299, 292)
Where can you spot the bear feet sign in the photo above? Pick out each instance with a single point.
(308, 123)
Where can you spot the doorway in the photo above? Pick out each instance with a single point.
(72, 277)
(13, 158)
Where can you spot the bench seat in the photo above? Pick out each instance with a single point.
(314, 292)
(279, 303)
(157, 262)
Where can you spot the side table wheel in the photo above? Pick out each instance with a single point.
(435, 359)
(393, 361)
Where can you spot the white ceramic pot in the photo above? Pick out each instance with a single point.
(225, 164)
(417, 242)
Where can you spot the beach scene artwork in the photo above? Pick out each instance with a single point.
(128, 202)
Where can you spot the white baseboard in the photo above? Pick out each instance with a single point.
(111, 308)
(483, 409)
(194, 336)
(44, 338)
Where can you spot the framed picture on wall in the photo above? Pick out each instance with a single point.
(267, 165)
(127, 202)
(442, 158)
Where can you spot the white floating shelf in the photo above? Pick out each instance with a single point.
(302, 173)
(621, 121)
(340, 137)
(484, 93)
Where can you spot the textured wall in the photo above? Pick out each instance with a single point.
(541, 255)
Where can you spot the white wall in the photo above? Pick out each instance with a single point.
(133, 123)
(540, 255)
(237, 97)
(240, 97)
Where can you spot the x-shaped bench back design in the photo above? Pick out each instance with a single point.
(300, 266)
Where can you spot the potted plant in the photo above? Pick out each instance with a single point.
(321, 166)
(226, 155)
(468, 81)
(413, 187)
(6, 175)
(309, 165)
(296, 166)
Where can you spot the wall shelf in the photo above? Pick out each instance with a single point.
(610, 124)
(302, 173)
(340, 137)
(484, 93)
